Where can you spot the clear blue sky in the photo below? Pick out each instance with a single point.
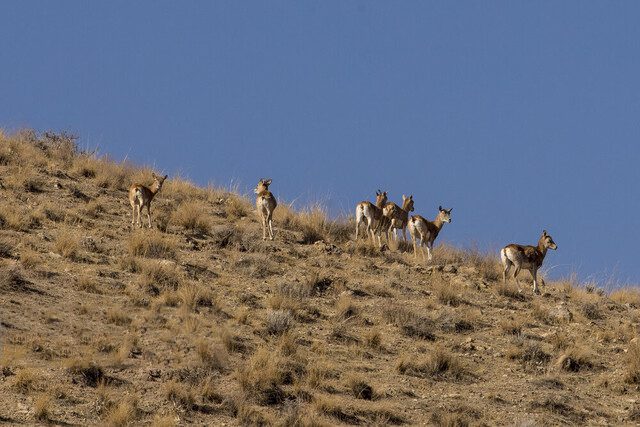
(519, 115)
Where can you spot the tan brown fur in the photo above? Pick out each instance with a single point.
(527, 257)
(427, 231)
(372, 215)
(265, 205)
(140, 196)
(398, 217)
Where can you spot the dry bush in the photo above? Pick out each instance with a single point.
(92, 209)
(262, 377)
(512, 326)
(42, 406)
(66, 244)
(510, 290)
(117, 176)
(86, 371)
(189, 215)
(150, 244)
(346, 308)
(25, 379)
(314, 224)
(541, 313)
(356, 414)
(12, 277)
(528, 352)
(575, 359)
(213, 357)
(18, 219)
(410, 323)
(159, 276)
(237, 207)
(30, 258)
(627, 296)
(373, 339)
(278, 322)
(632, 361)
(117, 317)
(192, 296)
(360, 388)
(438, 364)
(181, 395)
(124, 413)
(447, 292)
(87, 283)
(256, 266)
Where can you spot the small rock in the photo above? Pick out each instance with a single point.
(450, 268)
(560, 312)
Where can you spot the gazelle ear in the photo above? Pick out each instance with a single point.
(411, 197)
(544, 232)
(153, 175)
(268, 181)
(384, 193)
(449, 211)
(440, 208)
(166, 176)
(378, 192)
(404, 197)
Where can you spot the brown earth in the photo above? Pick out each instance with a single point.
(199, 321)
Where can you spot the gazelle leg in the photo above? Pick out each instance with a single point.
(357, 224)
(534, 273)
(264, 227)
(133, 214)
(149, 214)
(404, 233)
(139, 221)
(505, 272)
(270, 227)
(415, 247)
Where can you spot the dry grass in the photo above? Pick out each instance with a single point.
(67, 245)
(190, 216)
(438, 364)
(574, 359)
(42, 407)
(201, 322)
(151, 244)
(632, 359)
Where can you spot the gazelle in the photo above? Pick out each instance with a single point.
(398, 217)
(527, 257)
(426, 230)
(141, 196)
(372, 215)
(265, 204)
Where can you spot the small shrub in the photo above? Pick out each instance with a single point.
(150, 244)
(189, 215)
(213, 357)
(117, 317)
(42, 407)
(632, 360)
(440, 364)
(278, 322)
(346, 308)
(122, 414)
(262, 377)
(359, 388)
(67, 245)
(575, 359)
(86, 371)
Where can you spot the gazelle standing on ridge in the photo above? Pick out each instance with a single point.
(426, 230)
(398, 217)
(372, 215)
(141, 196)
(265, 204)
(527, 257)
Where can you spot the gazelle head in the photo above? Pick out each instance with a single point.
(547, 241)
(158, 181)
(263, 185)
(407, 203)
(444, 214)
(381, 198)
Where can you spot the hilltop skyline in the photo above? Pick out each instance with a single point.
(521, 117)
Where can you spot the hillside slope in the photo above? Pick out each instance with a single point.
(199, 321)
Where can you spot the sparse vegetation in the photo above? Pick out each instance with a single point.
(198, 321)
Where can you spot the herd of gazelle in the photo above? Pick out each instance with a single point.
(379, 217)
